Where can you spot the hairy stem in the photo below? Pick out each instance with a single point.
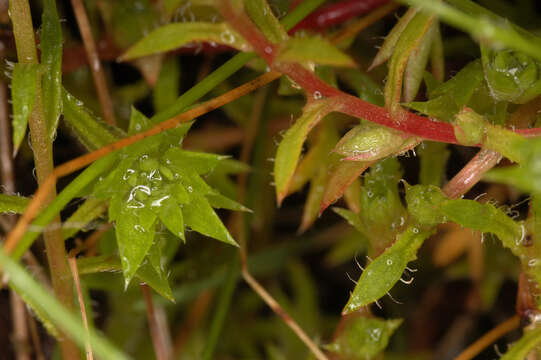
(23, 32)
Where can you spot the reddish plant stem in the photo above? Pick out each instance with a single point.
(334, 14)
(315, 88)
(157, 337)
(470, 174)
(330, 15)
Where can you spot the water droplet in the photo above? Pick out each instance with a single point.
(375, 334)
(268, 50)
(189, 188)
(415, 230)
(389, 262)
(317, 95)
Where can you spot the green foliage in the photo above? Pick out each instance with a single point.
(522, 347)
(13, 204)
(156, 180)
(386, 270)
(25, 285)
(51, 58)
(313, 49)
(24, 87)
(289, 150)
(364, 338)
(175, 35)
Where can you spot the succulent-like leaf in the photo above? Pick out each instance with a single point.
(382, 273)
(24, 87)
(363, 338)
(172, 36)
(51, 58)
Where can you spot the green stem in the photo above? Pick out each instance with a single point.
(226, 295)
(23, 32)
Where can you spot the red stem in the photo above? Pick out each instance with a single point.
(409, 123)
(334, 14)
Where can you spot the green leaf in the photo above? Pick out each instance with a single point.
(91, 131)
(172, 36)
(483, 25)
(415, 68)
(157, 280)
(24, 87)
(511, 75)
(13, 204)
(90, 210)
(167, 88)
(135, 230)
(170, 215)
(382, 273)
(424, 203)
(363, 338)
(51, 58)
(407, 45)
(369, 142)
(131, 20)
(351, 217)
(386, 50)
(433, 157)
(33, 292)
(366, 88)
(290, 147)
(342, 176)
(312, 204)
(487, 219)
(262, 15)
(199, 216)
(520, 349)
(527, 175)
(218, 201)
(199, 162)
(313, 49)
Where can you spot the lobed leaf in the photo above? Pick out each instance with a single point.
(24, 87)
(172, 36)
(382, 273)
